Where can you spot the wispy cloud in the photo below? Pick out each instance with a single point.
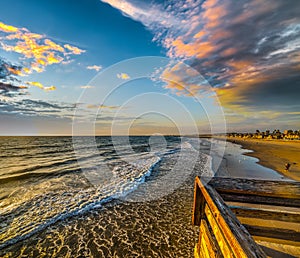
(37, 50)
(10, 90)
(249, 52)
(123, 76)
(7, 28)
(37, 108)
(94, 106)
(94, 67)
(184, 80)
(150, 15)
(87, 87)
(50, 88)
(8, 70)
(41, 86)
(74, 50)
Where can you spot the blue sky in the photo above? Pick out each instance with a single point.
(242, 60)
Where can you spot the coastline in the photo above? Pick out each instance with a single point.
(273, 154)
(230, 160)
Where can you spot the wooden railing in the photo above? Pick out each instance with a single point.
(222, 234)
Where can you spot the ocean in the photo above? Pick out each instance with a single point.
(99, 196)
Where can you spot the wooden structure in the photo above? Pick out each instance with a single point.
(255, 203)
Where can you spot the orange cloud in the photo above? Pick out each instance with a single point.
(41, 86)
(36, 84)
(181, 79)
(54, 46)
(228, 52)
(74, 50)
(15, 71)
(7, 28)
(38, 50)
(51, 88)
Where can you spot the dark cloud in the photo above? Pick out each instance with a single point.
(9, 83)
(9, 87)
(7, 70)
(37, 108)
(9, 90)
(249, 51)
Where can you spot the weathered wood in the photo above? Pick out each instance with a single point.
(249, 212)
(221, 239)
(208, 240)
(276, 233)
(204, 249)
(257, 187)
(197, 251)
(198, 206)
(240, 197)
(240, 241)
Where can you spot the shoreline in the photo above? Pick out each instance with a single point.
(273, 154)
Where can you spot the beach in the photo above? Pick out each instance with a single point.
(274, 154)
(61, 214)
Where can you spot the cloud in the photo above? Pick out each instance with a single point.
(94, 67)
(10, 86)
(37, 50)
(249, 52)
(93, 106)
(74, 50)
(8, 70)
(37, 108)
(123, 76)
(50, 88)
(6, 87)
(184, 81)
(41, 86)
(87, 87)
(149, 15)
(37, 84)
(7, 28)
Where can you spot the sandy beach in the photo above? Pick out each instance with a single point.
(274, 154)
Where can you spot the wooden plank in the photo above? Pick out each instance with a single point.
(204, 250)
(239, 197)
(209, 240)
(275, 233)
(197, 251)
(239, 239)
(249, 212)
(198, 206)
(277, 241)
(271, 188)
(221, 239)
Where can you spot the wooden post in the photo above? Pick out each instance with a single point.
(198, 206)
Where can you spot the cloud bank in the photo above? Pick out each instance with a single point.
(248, 51)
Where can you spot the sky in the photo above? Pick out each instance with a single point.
(148, 67)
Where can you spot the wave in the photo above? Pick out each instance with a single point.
(43, 211)
(22, 216)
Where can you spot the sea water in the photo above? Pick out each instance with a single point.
(56, 202)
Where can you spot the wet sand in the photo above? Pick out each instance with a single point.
(274, 154)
